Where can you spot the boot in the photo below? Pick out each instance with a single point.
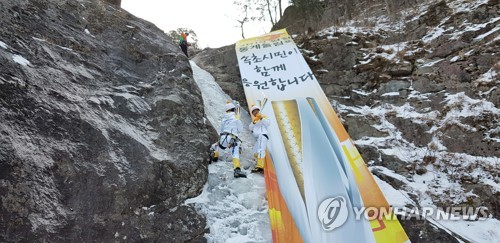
(259, 167)
(238, 173)
(258, 170)
(216, 156)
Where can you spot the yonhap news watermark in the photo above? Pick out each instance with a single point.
(333, 213)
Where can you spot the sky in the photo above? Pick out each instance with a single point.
(214, 22)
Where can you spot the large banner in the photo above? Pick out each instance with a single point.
(315, 177)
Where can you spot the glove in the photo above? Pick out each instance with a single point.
(257, 118)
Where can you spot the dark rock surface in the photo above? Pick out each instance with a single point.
(419, 230)
(338, 12)
(101, 127)
(115, 2)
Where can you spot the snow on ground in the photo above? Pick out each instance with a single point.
(483, 230)
(476, 231)
(460, 7)
(376, 24)
(394, 47)
(430, 64)
(488, 77)
(3, 45)
(435, 182)
(20, 59)
(361, 92)
(236, 208)
(391, 94)
(395, 197)
(455, 58)
(383, 23)
(468, 27)
(88, 32)
(480, 37)
(437, 32)
(65, 48)
(465, 6)
(390, 52)
(462, 106)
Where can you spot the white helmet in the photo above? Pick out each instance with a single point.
(230, 106)
(254, 108)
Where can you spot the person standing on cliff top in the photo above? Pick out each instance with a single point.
(183, 43)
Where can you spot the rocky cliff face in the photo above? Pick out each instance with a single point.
(340, 12)
(417, 91)
(429, 89)
(102, 135)
(115, 2)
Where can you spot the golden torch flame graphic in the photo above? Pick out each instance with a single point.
(287, 116)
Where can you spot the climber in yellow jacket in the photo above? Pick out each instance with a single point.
(259, 127)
